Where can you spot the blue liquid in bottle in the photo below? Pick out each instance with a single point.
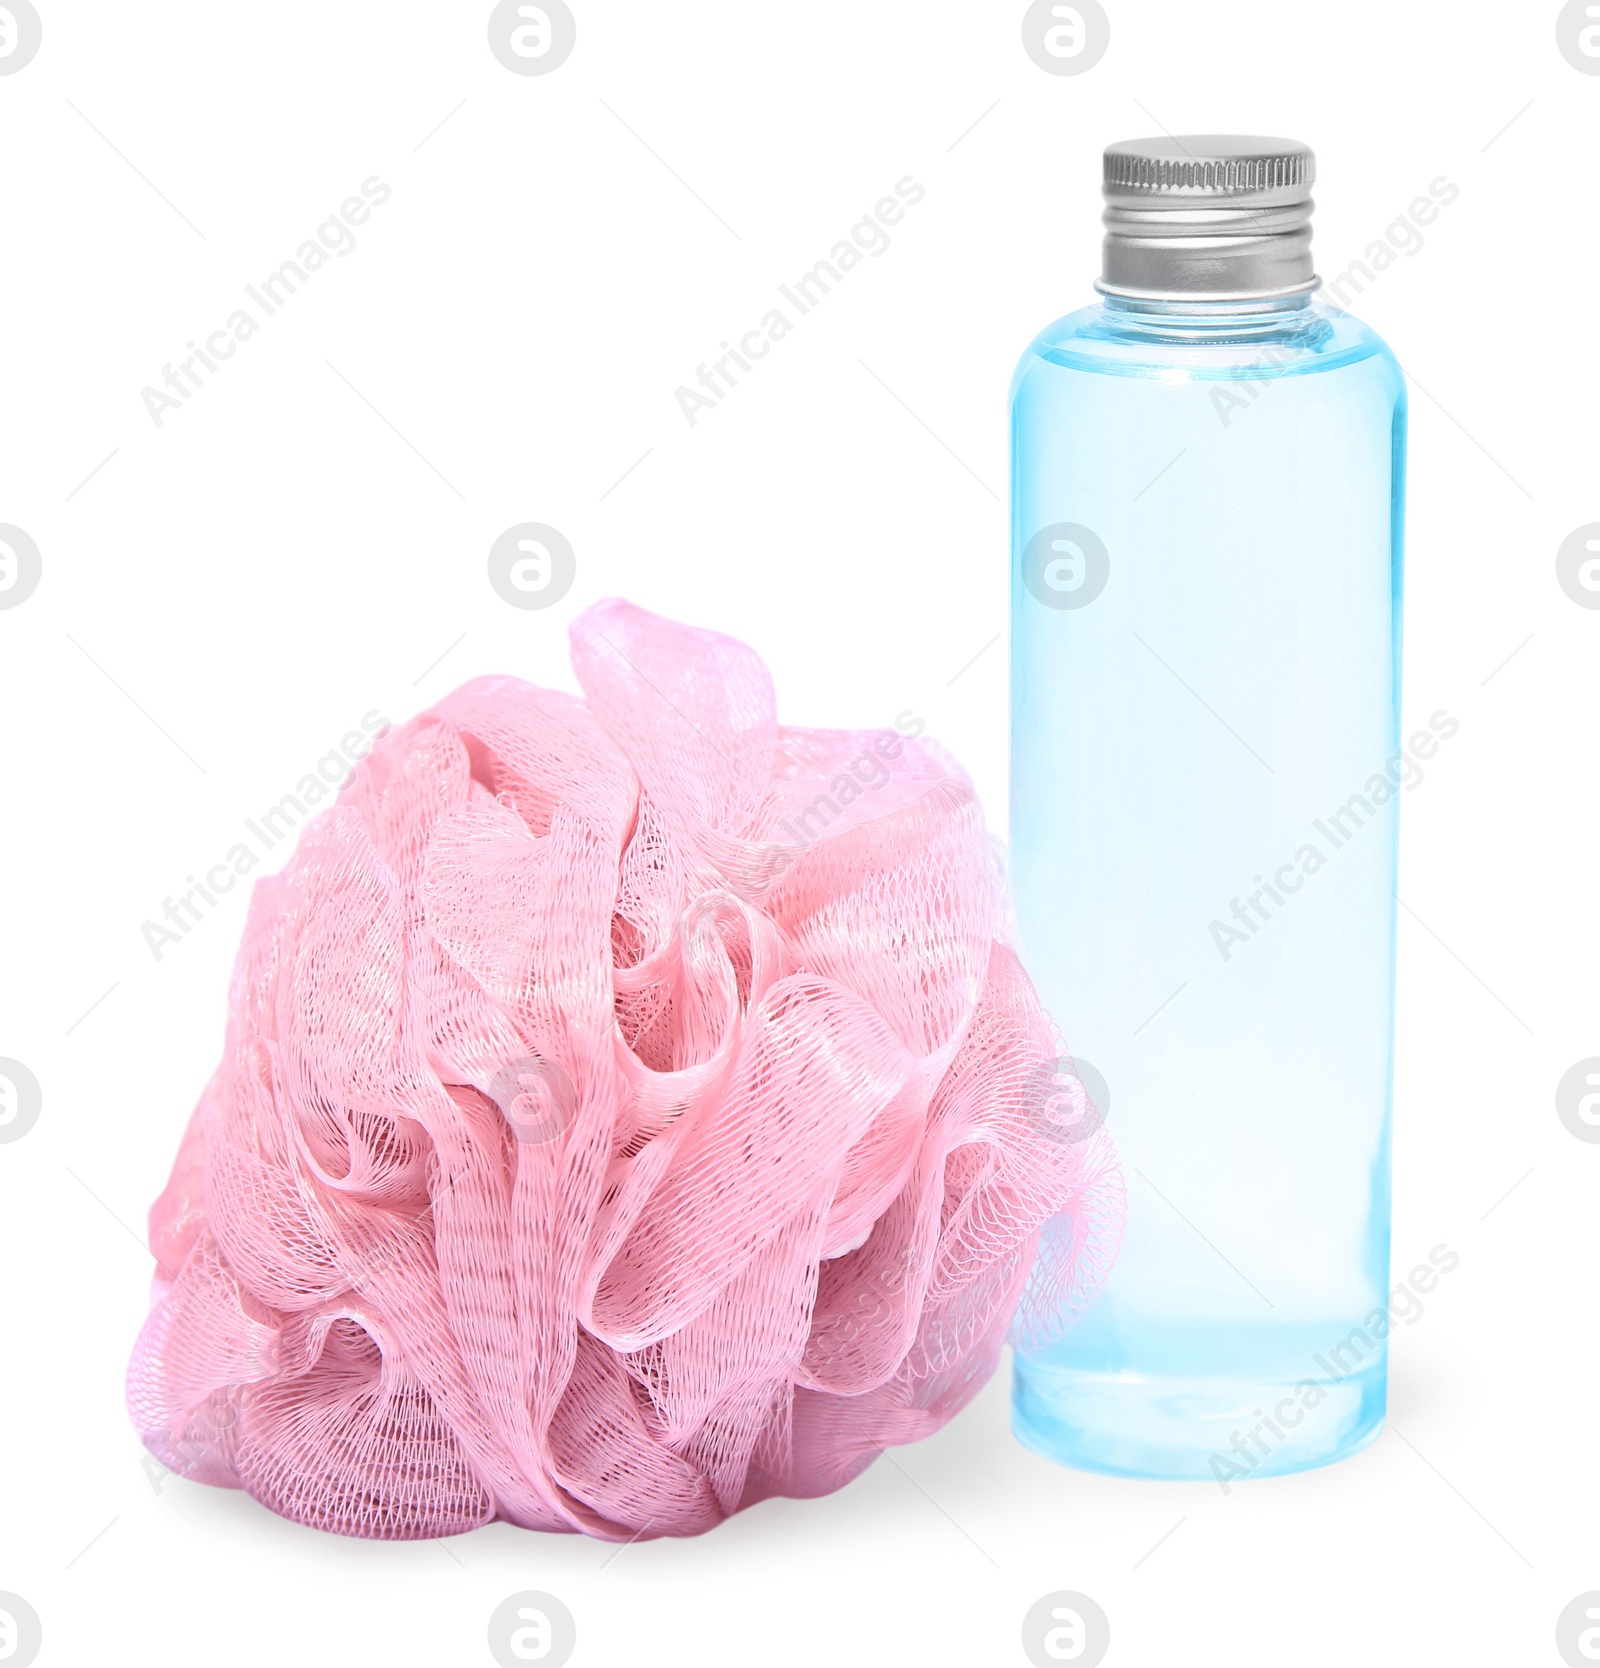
(1206, 566)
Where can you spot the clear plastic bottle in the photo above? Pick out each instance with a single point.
(1207, 491)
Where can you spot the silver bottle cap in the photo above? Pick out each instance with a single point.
(1208, 217)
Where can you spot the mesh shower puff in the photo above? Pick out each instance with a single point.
(630, 1109)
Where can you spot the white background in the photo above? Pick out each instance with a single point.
(228, 593)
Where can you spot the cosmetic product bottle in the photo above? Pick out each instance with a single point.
(1207, 490)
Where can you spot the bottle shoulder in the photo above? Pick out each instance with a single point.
(1105, 340)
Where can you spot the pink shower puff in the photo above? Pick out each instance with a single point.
(629, 1110)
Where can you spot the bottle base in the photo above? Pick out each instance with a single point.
(1194, 1429)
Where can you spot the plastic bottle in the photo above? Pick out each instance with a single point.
(1207, 488)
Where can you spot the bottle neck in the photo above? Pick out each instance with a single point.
(1269, 318)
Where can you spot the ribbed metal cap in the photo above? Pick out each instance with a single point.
(1208, 217)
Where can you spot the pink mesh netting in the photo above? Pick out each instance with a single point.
(630, 1110)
